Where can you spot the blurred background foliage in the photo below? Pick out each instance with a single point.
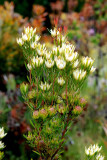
(25, 7)
(86, 21)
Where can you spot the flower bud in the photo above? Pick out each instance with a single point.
(77, 110)
(42, 144)
(59, 100)
(24, 88)
(31, 94)
(29, 66)
(51, 111)
(61, 81)
(54, 141)
(35, 114)
(92, 69)
(43, 113)
(83, 102)
(62, 109)
(48, 130)
(29, 137)
(1, 145)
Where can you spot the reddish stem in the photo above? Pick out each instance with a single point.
(63, 134)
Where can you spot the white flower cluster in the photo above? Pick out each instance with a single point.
(2, 134)
(92, 150)
(27, 36)
(79, 74)
(61, 56)
(45, 86)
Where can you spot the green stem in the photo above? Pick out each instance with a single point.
(63, 134)
(53, 88)
(66, 90)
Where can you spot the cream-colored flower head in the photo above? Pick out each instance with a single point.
(28, 34)
(60, 63)
(37, 38)
(99, 157)
(55, 50)
(69, 49)
(33, 45)
(58, 51)
(70, 57)
(26, 30)
(54, 32)
(92, 150)
(40, 52)
(45, 86)
(30, 30)
(20, 41)
(49, 63)
(37, 61)
(61, 81)
(24, 37)
(75, 63)
(2, 134)
(48, 55)
(41, 49)
(61, 50)
(62, 38)
(92, 69)
(79, 74)
(29, 66)
(87, 61)
(1, 145)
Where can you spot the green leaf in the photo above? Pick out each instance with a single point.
(32, 123)
(37, 153)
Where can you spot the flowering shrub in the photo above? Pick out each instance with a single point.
(53, 92)
(2, 134)
(93, 152)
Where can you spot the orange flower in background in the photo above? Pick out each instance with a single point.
(38, 9)
(87, 10)
(39, 16)
(57, 6)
